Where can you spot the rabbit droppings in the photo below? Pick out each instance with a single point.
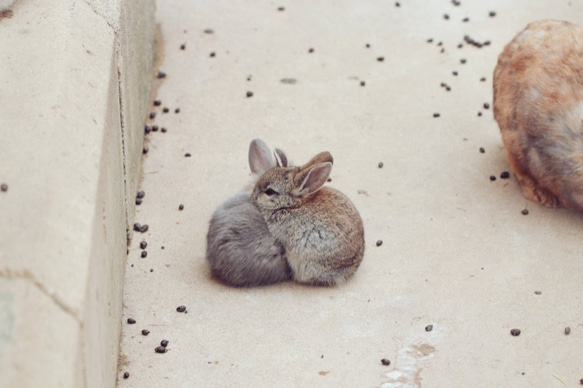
(538, 104)
(240, 250)
(320, 229)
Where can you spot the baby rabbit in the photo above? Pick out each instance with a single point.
(240, 250)
(319, 227)
(538, 104)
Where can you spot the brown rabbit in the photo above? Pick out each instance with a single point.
(320, 229)
(538, 104)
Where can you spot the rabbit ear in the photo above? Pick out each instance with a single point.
(280, 158)
(260, 159)
(312, 179)
(322, 157)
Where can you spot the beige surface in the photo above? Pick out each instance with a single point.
(63, 219)
(457, 253)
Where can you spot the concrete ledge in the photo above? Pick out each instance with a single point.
(73, 97)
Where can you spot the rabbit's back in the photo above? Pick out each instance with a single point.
(538, 104)
(240, 249)
(324, 238)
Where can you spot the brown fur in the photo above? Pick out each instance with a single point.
(321, 230)
(538, 104)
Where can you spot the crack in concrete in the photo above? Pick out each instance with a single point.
(8, 273)
(113, 28)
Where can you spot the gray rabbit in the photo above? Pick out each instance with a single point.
(240, 250)
(319, 227)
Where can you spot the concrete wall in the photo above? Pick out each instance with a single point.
(74, 85)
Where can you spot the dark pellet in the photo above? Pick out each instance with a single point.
(381, 164)
(181, 309)
(581, 381)
(492, 14)
(151, 270)
(183, 46)
(567, 330)
(138, 201)
(482, 150)
(157, 102)
(483, 79)
(164, 343)
(367, 45)
(160, 349)
(152, 115)
(428, 327)
(430, 40)
(208, 31)
(479, 114)
(181, 207)
(379, 243)
(460, 45)
(492, 178)
(487, 43)
(144, 254)
(436, 115)
(397, 4)
(131, 321)
(465, 20)
(187, 155)
(147, 129)
(281, 9)
(380, 59)
(126, 375)
(454, 73)
(163, 130)
(154, 128)
(143, 244)
(145, 150)
(446, 16)
(212, 54)
(310, 50)
(165, 110)
(177, 110)
(386, 362)
(456, 2)
(141, 194)
(249, 94)
(145, 331)
(448, 88)
(161, 74)
(486, 105)
(362, 83)
(515, 332)
(524, 212)
(137, 227)
(505, 175)
(462, 61)
(144, 228)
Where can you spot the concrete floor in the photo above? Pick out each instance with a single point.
(457, 251)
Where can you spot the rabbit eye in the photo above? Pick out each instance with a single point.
(270, 192)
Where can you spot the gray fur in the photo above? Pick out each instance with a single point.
(240, 250)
